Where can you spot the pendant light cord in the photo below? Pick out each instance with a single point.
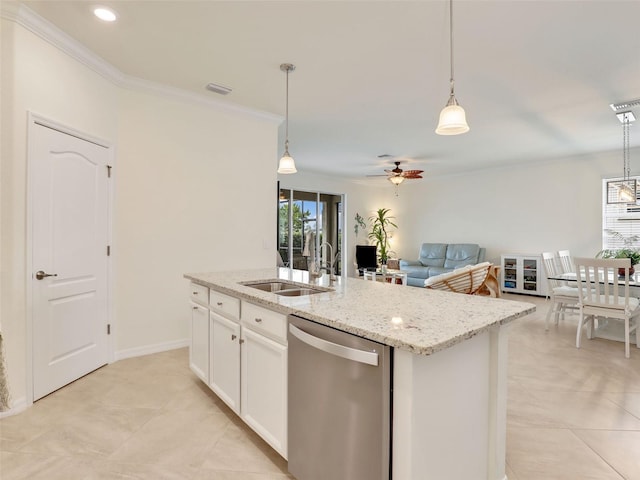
(625, 147)
(451, 42)
(286, 123)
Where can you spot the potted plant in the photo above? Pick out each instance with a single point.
(627, 251)
(381, 224)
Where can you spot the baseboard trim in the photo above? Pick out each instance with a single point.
(149, 349)
(19, 405)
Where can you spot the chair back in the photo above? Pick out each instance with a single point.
(469, 279)
(601, 288)
(566, 262)
(366, 257)
(551, 269)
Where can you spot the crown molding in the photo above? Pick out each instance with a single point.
(27, 18)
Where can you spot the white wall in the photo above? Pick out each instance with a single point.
(191, 189)
(531, 208)
(190, 184)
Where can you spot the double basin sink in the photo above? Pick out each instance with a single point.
(285, 289)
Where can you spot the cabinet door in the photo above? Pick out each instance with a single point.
(264, 388)
(510, 273)
(225, 360)
(199, 348)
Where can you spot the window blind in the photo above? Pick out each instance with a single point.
(619, 217)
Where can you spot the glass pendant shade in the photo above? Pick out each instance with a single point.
(453, 120)
(287, 164)
(627, 193)
(396, 180)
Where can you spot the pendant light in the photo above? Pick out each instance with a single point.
(627, 191)
(287, 164)
(623, 191)
(453, 120)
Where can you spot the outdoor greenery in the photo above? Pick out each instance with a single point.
(629, 250)
(381, 225)
(298, 217)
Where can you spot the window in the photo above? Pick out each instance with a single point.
(622, 218)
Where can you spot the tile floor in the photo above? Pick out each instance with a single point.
(572, 415)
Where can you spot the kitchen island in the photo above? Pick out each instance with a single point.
(449, 362)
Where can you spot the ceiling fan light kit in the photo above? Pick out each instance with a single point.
(396, 179)
(453, 120)
(287, 165)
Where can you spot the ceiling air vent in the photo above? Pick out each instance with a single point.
(221, 89)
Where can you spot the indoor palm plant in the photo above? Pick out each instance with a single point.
(381, 225)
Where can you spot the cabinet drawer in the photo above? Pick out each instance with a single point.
(263, 320)
(199, 293)
(224, 304)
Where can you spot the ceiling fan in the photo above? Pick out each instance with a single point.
(398, 175)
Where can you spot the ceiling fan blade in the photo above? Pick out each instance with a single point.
(412, 172)
(412, 177)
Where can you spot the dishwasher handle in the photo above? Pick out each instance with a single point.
(361, 356)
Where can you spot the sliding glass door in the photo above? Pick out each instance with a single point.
(310, 229)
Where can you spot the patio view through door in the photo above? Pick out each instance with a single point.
(306, 220)
(69, 198)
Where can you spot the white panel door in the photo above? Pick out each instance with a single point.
(264, 388)
(225, 360)
(199, 349)
(70, 213)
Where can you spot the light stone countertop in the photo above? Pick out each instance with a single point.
(415, 319)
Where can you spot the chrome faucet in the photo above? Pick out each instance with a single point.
(328, 266)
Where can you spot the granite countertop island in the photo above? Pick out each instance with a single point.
(449, 367)
(416, 320)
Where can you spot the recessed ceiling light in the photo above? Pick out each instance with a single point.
(104, 13)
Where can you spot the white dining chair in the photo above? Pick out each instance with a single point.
(604, 293)
(566, 262)
(564, 298)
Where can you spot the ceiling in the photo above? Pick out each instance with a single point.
(535, 77)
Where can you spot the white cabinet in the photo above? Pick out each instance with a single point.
(523, 274)
(225, 360)
(264, 388)
(240, 351)
(199, 348)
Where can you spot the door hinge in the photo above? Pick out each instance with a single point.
(108, 250)
(108, 329)
(109, 171)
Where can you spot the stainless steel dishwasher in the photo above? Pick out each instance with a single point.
(339, 404)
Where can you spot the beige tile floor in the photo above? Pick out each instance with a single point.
(572, 414)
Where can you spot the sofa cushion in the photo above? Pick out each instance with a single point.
(437, 271)
(461, 254)
(416, 271)
(433, 254)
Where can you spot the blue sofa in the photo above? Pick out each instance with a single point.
(437, 258)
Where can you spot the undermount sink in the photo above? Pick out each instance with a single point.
(298, 292)
(285, 289)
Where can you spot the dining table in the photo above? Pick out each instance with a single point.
(604, 328)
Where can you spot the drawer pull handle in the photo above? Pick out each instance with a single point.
(242, 340)
(233, 337)
(195, 308)
(219, 304)
(195, 293)
(258, 320)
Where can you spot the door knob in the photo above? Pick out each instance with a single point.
(40, 275)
